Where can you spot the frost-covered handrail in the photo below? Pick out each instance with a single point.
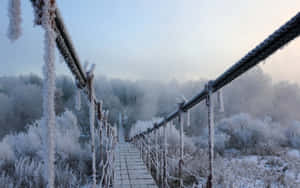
(286, 33)
(84, 81)
(67, 50)
(64, 43)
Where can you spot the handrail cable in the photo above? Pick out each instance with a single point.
(286, 33)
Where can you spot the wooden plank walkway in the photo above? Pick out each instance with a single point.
(130, 170)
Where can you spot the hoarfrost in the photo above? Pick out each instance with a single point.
(15, 20)
(49, 92)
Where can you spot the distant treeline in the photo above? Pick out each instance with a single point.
(253, 93)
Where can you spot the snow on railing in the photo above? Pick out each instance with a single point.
(47, 15)
(289, 31)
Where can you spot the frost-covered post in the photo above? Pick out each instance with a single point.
(160, 155)
(143, 147)
(140, 145)
(99, 117)
(107, 131)
(151, 142)
(210, 105)
(114, 135)
(15, 20)
(156, 155)
(109, 156)
(120, 125)
(46, 19)
(148, 157)
(99, 110)
(165, 180)
(180, 165)
(90, 79)
(100, 138)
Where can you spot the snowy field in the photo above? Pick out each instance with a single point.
(244, 157)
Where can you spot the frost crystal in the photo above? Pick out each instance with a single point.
(15, 20)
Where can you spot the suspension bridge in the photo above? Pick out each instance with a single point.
(138, 163)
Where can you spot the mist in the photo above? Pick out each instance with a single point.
(254, 93)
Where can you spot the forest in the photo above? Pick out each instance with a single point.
(260, 126)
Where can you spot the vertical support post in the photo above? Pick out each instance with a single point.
(181, 149)
(110, 158)
(49, 90)
(101, 138)
(114, 137)
(92, 124)
(165, 180)
(210, 105)
(156, 155)
(145, 150)
(99, 110)
(140, 145)
(120, 127)
(160, 158)
(99, 116)
(148, 157)
(107, 151)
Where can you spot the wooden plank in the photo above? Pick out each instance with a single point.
(130, 170)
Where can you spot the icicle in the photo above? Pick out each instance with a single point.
(61, 59)
(85, 66)
(78, 100)
(188, 118)
(49, 92)
(15, 20)
(106, 116)
(220, 100)
(92, 68)
(120, 119)
(210, 106)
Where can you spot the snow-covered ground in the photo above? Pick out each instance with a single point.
(237, 168)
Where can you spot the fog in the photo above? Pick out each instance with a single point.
(253, 93)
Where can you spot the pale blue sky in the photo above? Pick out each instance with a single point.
(157, 39)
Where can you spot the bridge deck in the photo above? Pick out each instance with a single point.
(130, 170)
